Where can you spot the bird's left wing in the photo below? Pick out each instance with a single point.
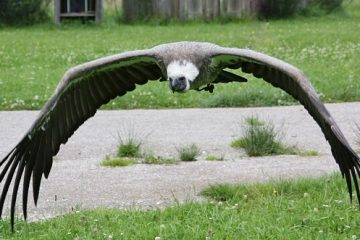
(290, 79)
(82, 90)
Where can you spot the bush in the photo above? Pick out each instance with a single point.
(261, 139)
(276, 9)
(23, 12)
(327, 5)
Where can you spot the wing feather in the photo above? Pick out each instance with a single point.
(285, 76)
(81, 92)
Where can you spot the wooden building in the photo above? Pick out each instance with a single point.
(86, 9)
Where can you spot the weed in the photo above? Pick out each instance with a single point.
(117, 162)
(151, 159)
(261, 139)
(215, 158)
(129, 149)
(189, 152)
(129, 146)
(307, 153)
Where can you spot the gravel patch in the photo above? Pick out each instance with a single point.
(78, 182)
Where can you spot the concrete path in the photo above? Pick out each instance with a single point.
(78, 182)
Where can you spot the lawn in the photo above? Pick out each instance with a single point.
(300, 209)
(327, 49)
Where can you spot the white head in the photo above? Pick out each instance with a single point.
(181, 74)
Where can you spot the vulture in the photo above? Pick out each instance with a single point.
(185, 66)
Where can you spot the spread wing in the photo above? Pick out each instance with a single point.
(80, 93)
(295, 83)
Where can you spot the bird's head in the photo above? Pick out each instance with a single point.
(181, 75)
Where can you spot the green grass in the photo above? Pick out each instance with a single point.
(33, 59)
(215, 158)
(129, 144)
(117, 162)
(151, 159)
(261, 139)
(308, 153)
(298, 209)
(188, 152)
(129, 149)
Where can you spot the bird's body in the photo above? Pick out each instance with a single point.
(186, 66)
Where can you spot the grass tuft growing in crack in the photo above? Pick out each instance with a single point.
(215, 158)
(152, 159)
(188, 152)
(261, 139)
(129, 146)
(117, 162)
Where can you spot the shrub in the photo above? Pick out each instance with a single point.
(325, 5)
(276, 9)
(23, 12)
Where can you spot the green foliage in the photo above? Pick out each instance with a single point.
(299, 188)
(129, 149)
(23, 12)
(215, 158)
(189, 152)
(129, 146)
(325, 6)
(117, 162)
(308, 153)
(277, 9)
(151, 159)
(261, 139)
(297, 209)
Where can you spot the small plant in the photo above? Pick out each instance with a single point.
(151, 159)
(117, 162)
(254, 121)
(130, 145)
(215, 158)
(261, 139)
(189, 152)
(308, 153)
(130, 148)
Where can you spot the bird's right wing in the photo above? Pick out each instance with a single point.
(81, 92)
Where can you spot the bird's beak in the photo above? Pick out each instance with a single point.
(178, 84)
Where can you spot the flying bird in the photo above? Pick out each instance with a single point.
(185, 66)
